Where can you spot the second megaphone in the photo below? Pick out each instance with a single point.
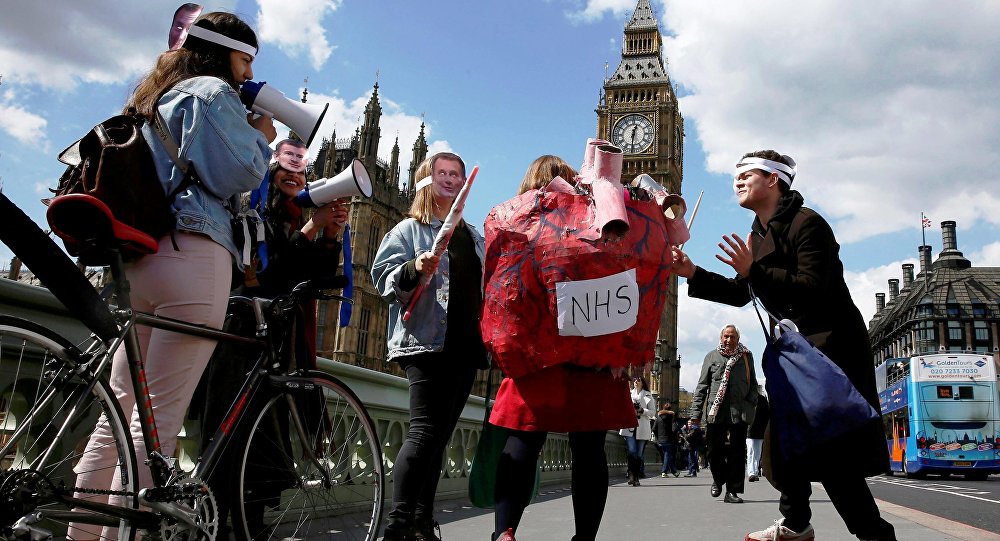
(351, 181)
(303, 118)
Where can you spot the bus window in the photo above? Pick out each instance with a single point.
(944, 391)
(965, 392)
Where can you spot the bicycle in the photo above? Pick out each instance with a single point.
(320, 477)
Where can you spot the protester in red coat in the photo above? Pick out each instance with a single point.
(583, 401)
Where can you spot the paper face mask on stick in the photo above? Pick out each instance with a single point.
(292, 158)
(184, 17)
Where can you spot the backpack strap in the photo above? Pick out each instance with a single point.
(191, 178)
(159, 125)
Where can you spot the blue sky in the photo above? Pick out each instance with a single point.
(891, 109)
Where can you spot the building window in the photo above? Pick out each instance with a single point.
(374, 240)
(981, 339)
(953, 310)
(363, 321)
(926, 337)
(956, 343)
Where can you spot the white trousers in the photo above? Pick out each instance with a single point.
(190, 284)
(753, 456)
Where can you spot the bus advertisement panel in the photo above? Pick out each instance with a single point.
(942, 415)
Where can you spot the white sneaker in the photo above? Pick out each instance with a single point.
(777, 532)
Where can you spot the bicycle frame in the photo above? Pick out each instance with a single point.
(88, 360)
(159, 465)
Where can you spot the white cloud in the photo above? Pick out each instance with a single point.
(865, 284)
(344, 117)
(296, 27)
(699, 323)
(441, 146)
(988, 256)
(878, 103)
(95, 42)
(595, 9)
(26, 127)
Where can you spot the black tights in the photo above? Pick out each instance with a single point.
(439, 388)
(516, 477)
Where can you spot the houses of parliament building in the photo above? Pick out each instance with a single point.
(637, 112)
(363, 341)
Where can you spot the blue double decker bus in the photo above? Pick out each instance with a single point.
(941, 414)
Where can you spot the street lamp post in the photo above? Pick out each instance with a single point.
(655, 373)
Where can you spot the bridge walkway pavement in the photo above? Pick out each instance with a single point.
(682, 508)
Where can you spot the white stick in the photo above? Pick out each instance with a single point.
(694, 213)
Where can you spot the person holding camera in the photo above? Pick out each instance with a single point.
(636, 438)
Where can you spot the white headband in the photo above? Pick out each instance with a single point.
(785, 173)
(426, 181)
(219, 39)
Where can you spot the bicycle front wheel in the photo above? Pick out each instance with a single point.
(49, 409)
(312, 468)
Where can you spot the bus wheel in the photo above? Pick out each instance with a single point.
(908, 474)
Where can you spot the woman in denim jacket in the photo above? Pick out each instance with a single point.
(194, 90)
(440, 347)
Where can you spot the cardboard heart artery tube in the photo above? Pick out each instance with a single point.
(586, 175)
(611, 218)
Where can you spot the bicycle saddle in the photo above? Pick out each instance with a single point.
(87, 227)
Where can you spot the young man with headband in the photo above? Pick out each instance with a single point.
(791, 258)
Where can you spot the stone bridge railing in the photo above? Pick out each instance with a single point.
(385, 396)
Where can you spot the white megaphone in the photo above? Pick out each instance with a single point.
(302, 118)
(351, 181)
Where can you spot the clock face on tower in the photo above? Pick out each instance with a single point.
(632, 133)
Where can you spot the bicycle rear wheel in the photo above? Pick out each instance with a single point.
(312, 468)
(47, 416)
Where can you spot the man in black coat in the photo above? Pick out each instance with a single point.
(791, 259)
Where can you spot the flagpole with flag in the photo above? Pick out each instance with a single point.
(925, 222)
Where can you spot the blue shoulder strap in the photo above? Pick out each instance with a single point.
(258, 202)
(345, 307)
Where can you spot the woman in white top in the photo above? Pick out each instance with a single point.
(636, 438)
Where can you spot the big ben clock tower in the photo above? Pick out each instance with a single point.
(638, 113)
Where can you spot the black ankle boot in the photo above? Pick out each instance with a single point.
(399, 532)
(427, 530)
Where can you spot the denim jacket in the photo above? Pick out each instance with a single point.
(425, 330)
(205, 117)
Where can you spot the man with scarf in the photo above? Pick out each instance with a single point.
(728, 386)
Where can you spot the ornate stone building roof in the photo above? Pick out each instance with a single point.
(949, 306)
(642, 62)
